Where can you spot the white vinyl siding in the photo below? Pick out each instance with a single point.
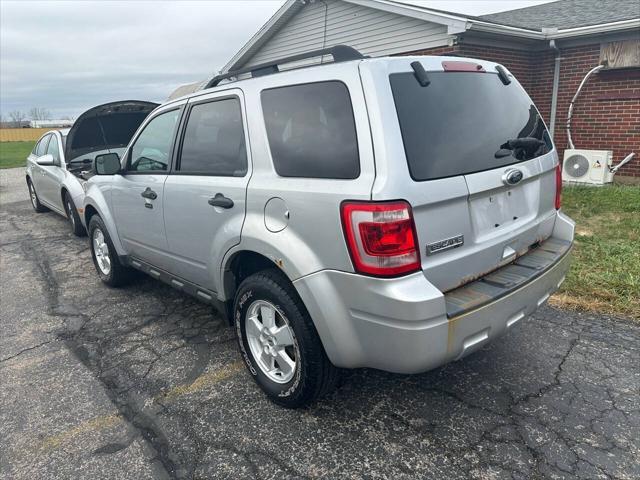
(372, 32)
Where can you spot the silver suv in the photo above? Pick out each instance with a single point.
(393, 213)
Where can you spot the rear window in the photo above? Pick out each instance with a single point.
(464, 122)
(213, 141)
(311, 130)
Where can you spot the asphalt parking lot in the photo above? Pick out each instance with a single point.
(142, 382)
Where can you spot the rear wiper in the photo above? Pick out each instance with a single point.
(526, 143)
(503, 152)
(420, 73)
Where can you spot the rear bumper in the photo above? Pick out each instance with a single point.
(401, 325)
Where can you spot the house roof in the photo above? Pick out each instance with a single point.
(570, 18)
(564, 14)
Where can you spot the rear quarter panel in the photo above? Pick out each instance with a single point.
(312, 239)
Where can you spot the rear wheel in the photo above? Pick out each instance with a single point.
(73, 217)
(105, 257)
(35, 202)
(279, 342)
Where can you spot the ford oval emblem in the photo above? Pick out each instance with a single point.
(512, 177)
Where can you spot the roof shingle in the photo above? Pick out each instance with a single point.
(565, 14)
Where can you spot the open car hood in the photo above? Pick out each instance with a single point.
(106, 127)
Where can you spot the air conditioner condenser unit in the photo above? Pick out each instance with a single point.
(593, 167)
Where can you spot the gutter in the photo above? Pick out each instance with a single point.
(551, 34)
(505, 30)
(634, 23)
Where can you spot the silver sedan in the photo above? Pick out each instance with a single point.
(62, 160)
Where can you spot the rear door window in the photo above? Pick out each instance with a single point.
(213, 142)
(465, 122)
(311, 130)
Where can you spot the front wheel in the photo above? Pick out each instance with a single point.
(72, 215)
(105, 257)
(279, 342)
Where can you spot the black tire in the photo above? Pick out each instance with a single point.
(72, 215)
(117, 275)
(314, 374)
(35, 201)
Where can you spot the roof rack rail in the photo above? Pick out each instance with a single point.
(340, 53)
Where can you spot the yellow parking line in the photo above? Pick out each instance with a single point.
(203, 381)
(98, 423)
(106, 421)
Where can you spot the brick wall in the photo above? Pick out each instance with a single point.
(606, 116)
(607, 113)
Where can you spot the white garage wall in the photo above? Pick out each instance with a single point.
(373, 32)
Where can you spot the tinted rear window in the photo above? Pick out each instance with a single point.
(461, 123)
(214, 140)
(311, 130)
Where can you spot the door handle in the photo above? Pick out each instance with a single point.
(148, 193)
(220, 201)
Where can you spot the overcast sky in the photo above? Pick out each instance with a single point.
(68, 56)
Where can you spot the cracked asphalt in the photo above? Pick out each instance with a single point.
(143, 382)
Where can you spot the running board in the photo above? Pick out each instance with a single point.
(192, 289)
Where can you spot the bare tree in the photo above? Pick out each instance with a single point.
(39, 113)
(16, 117)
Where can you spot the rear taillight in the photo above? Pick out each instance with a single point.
(381, 237)
(558, 186)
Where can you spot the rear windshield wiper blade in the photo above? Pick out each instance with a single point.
(420, 73)
(503, 152)
(528, 143)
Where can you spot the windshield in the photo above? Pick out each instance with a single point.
(465, 122)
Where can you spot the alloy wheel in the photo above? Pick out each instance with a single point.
(272, 341)
(70, 214)
(34, 197)
(101, 251)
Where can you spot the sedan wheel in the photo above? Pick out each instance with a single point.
(70, 214)
(34, 198)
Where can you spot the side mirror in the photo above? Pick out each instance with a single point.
(45, 160)
(107, 164)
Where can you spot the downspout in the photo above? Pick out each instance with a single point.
(556, 84)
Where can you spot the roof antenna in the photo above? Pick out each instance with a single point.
(324, 33)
